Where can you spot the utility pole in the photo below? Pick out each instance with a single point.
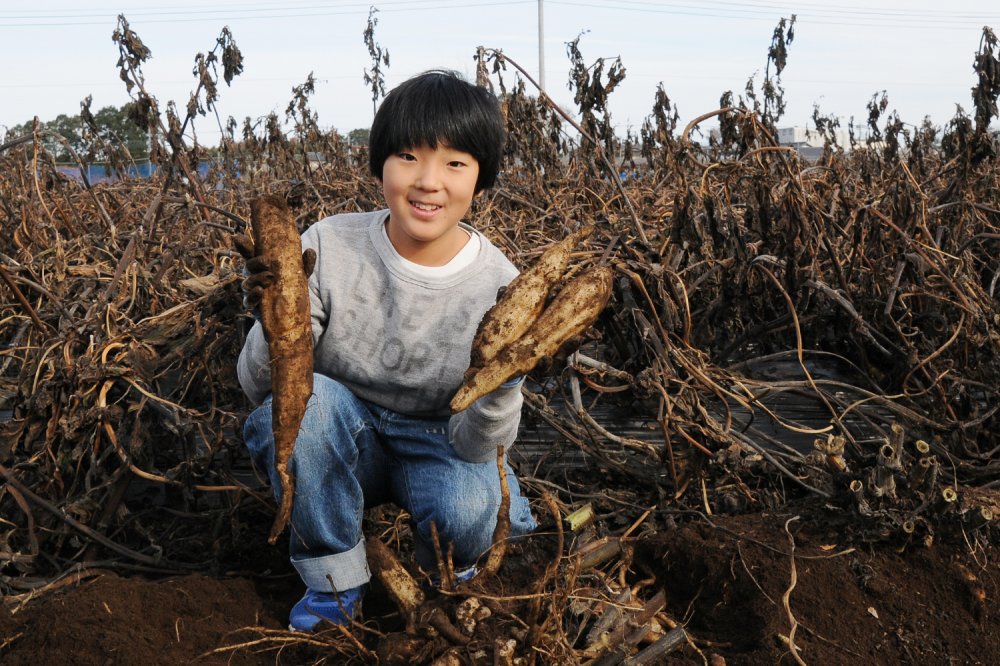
(541, 46)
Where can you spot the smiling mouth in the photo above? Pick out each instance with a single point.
(424, 206)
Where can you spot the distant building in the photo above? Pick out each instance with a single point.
(803, 137)
(810, 142)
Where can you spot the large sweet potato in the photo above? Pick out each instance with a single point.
(285, 316)
(522, 301)
(570, 314)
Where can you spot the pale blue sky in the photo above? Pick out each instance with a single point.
(55, 52)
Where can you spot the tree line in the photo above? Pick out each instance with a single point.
(106, 134)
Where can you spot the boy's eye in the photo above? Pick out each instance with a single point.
(407, 157)
(456, 163)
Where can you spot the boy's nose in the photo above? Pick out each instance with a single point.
(429, 178)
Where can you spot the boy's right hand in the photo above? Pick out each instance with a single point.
(258, 273)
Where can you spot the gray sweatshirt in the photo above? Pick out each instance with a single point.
(394, 336)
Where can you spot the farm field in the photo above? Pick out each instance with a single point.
(783, 425)
(725, 579)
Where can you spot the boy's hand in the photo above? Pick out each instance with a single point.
(244, 245)
(308, 261)
(258, 273)
(561, 357)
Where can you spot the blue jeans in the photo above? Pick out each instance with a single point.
(351, 454)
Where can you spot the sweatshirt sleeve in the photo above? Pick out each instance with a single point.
(489, 422)
(254, 366)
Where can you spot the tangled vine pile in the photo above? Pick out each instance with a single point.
(868, 277)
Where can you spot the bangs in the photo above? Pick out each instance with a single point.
(439, 108)
(437, 116)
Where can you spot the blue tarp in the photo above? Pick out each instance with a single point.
(99, 173)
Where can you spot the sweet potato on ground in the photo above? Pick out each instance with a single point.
(570, 314)
(401, 586)
(285, 316)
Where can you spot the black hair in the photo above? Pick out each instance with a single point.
(440, 106)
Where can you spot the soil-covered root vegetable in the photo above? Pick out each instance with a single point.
(401, 586)
(285, 316)
(570, 314)
(523, 300)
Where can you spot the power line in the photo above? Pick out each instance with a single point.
(200, 7)
(942, 21)
(411, 5)
(848, 15)
(213, 9)
(814, 8)
(115, 82)
(189, 16)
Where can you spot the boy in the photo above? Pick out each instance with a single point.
(396, 297)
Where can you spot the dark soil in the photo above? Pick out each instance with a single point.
(113, 620)
(885, 604)
(725, 578)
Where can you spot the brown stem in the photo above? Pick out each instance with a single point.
(612, 172)
(83, 529)
(28, 517)
(42, 326)
(440, 621)
(502, 531)
(654, 653)
(446, 569)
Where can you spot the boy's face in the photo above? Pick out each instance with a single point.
(428, 191)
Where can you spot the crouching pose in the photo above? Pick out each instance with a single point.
(396, 296)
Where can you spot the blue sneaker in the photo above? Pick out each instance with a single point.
(463, 576)
(315, 607)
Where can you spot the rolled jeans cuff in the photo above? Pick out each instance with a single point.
(335, 573)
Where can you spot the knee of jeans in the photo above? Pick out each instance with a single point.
(332, 401)
(330, 428)
(257, 435)
(332, 420)
(465, 523)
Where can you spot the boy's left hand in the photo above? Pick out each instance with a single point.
(560, 358)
